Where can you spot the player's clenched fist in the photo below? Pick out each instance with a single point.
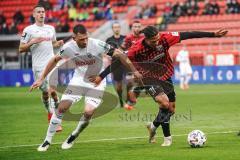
(95, 79)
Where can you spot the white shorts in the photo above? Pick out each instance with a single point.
(77, 88)
(185, 69)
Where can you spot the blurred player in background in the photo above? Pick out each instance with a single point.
(185, 68)
(131, 39)
(154, 48)
(116, 40)
(40, 39)
(93, 51)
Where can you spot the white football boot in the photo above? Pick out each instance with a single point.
(167, 141)
(68, 143)
(43, 147)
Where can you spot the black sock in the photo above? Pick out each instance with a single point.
(161, 117)
(166, 129)
(120, 98)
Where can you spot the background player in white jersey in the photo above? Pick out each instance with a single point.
(76, 49)
(184, 68)
(40, 39)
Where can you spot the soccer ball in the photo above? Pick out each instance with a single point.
(196, 139)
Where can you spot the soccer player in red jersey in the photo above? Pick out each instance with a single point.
(154, 48)
(133, 37)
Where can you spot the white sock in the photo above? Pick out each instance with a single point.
(187, 79)
(181, 81)
(83, 123)
(54, 123)
(153, 127)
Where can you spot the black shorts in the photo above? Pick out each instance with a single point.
(119, 74)
(154, 90)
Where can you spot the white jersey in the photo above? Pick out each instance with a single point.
(88, 61)
(41, 52)
(183, 57)
(184, 62)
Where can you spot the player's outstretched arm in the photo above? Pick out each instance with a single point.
(122, 59)
(24, 47)
(126, 62)
(51, 64)
(200, 34)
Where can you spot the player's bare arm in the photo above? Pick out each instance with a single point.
(51, 64)
(122, 59)
(24, 47)
(200, 34)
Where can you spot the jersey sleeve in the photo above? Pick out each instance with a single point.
(103, 48)
(65, 51)
(26, 36)
(172, 38)
(127, 42)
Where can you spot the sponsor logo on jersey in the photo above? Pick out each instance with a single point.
(83, 63)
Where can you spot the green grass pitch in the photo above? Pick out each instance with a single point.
(120, 134)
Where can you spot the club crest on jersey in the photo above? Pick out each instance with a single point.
(159, 48)
(24, 35)
(89, 55)
(61, 51)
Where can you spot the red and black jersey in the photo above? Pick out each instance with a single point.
(131, 39)
(140, 52)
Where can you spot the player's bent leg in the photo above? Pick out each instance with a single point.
(54, 96)
(45, 100)
(83, 123)
(162, 100)
(55, 121)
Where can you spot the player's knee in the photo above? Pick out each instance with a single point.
(172, 107)
(163, 101)
(62, 109)
(64, 106)
(165, 104)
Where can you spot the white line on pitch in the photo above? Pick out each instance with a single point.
(111, 139)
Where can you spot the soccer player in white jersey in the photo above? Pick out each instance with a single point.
(184, 68)
(81, 46)
(40, 39)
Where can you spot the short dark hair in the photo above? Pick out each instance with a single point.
(38, 5)
(135, 21)
(150, 31)
(79, 28)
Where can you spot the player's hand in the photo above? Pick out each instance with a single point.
(37, 40)
(60, 43)
(35, 85)
(221, 33)
(95, 79)
(137, 75)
